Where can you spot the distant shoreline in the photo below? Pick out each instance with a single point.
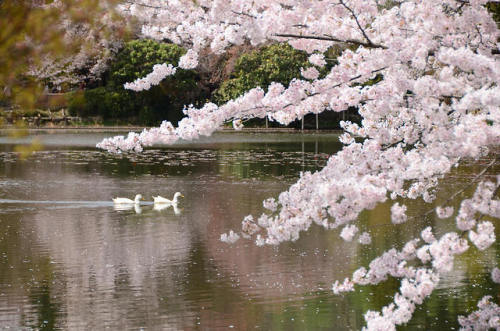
(7, 129)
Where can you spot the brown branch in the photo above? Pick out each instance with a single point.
(357, 22)
(243, 14)
(330, 38)
(144, 5)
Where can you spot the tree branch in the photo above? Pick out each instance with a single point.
(243, 14)
(357, 22)
(330, 38)
(144, 5)
(472, 182)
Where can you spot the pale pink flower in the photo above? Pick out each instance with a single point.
(427, 235)
(484, 237)
(365, 238)
(270, 204)
(495, 275)
(348, 232)
(317, 59)
(398, 213)
(237, 125)
(230, 237)
(346, 286)
(309, 73)
(444, 212)
(189, 60)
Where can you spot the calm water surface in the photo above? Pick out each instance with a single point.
(70, 260)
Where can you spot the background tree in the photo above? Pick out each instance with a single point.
(136, 59)
(274, 63)
(49, 41)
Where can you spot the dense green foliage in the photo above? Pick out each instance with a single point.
(275, 63)
(136, 60)
(33, 32)
(494, 8)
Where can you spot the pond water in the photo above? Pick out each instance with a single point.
(70, 260)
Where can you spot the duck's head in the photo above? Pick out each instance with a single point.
(178, 195)
(138, 197)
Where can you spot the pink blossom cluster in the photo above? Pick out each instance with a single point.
(398, 213)
(413, 292)
(189, 60)
(270, 204)
(437, 104)
(444, 212)
(427, 235)
(230, 237)
(483, 201)
(346, 286)
(165, 134)
(317, 59)
(238, 124)
(160, 71)
(417, 283)
(97, 47)
(309, 73)
(485, 318)
(348, 232)
(485, 235)
(495, 275)
(365, 238)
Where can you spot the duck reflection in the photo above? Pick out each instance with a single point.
(160, 207)
(136, 207)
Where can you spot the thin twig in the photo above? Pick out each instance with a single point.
(145, 5)
(357, 22)
(243, 14)
(473, 181)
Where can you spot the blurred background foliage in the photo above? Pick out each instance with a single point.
(135, 60)
(36, 33)
(494, 8)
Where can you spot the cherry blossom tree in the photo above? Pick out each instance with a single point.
(90, 44)
(437, 104)
(53, 41)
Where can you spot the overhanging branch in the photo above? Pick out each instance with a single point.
(330, 38)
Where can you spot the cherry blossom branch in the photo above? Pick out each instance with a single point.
(143, 5)
(454, 195)
(243, 14)
(474, 180)
(357, 22)
(368, 44)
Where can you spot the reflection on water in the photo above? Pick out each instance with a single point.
(71, 259)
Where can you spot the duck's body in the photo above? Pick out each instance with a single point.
(165, 201)
(162, 200)
(126, 201)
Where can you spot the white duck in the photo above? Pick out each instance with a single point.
(126, 201)
(174, 201)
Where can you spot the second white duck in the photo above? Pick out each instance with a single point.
(162, 200)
